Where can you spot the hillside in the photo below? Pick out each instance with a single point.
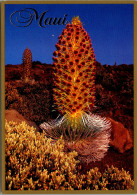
(113, 85)
(114, 99)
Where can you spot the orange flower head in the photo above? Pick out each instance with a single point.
(74, 65)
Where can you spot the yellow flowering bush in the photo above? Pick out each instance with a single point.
(34, 162)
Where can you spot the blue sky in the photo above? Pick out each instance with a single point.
(110, 27)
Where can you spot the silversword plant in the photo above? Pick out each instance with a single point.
(27, 64)
(74, 95)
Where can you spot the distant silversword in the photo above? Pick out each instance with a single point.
(27, 64)
(24, 18)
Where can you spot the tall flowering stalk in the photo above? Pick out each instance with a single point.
(74, 94)
(74, 71)
(27, 64)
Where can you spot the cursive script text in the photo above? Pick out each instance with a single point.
(25, 17)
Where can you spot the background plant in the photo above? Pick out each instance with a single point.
(27, 64)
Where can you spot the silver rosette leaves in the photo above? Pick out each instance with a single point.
(88, 135)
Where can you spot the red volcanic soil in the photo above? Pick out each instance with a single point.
(39, 72)
(114, 99)
(124, 160)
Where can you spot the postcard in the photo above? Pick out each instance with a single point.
(68, 82)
